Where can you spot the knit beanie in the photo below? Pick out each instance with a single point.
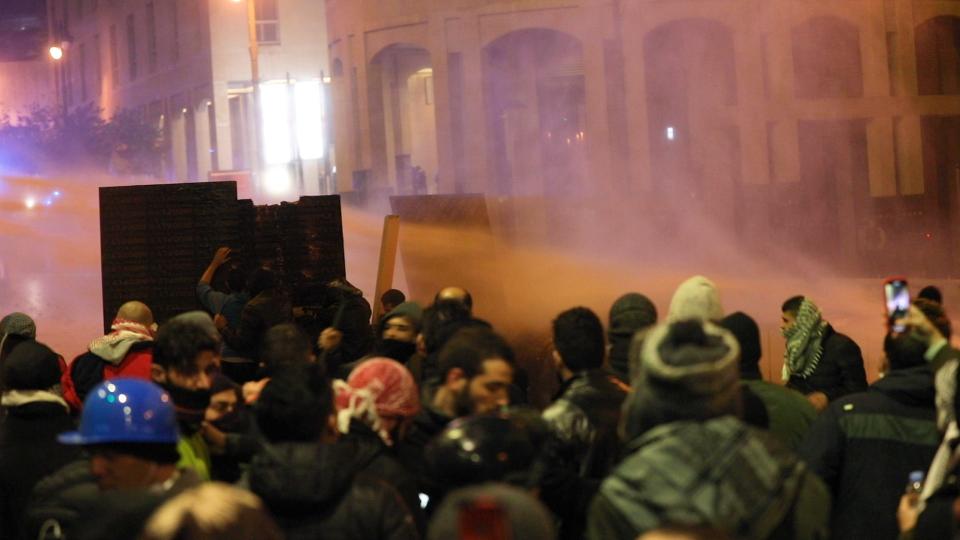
(31, 366)
(695, 298)
(745, 329)
(18, 324)
(688, 370)
(630, 313)
(410, 310)
(523, 515)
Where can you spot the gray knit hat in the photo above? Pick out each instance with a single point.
(688, 370)
(18, 324)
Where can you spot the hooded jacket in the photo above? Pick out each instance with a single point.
(718, 473)
(127, 351)
(320, 491)
(865, 445)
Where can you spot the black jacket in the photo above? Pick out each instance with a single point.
(865, 445)
(411, 451)
(29, 451)
(583, 420)
(381, 462)
(320, 491)
(840, 371)
(262, 312)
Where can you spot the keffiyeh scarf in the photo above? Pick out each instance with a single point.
(804, 342)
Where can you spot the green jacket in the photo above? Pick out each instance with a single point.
(195, 454)
(719, 473)
(789, 411)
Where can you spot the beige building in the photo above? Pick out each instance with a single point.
(750, 110)
(185, 65)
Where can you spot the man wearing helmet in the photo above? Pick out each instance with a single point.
(129, 430)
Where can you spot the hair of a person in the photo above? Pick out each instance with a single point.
(260, 280)
(934, 312)
(179, 343)
(685, 532)
(469, 348)
(236, 278)
(212, 511)
(792, 304)
(579, 339)
(393, 297)
(931, 293)
(467, 300)
(162, 453)
(295, 405)
(283, 345)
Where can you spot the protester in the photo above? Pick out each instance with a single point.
(268, 306)
(35, 413)
(375, 408)
(227, 414)
(455, 294)
(583, 418)
(865, 445)
(15, 328)
(695, 298)
(629, 314)
(691, 460)
(313, 486)
(391, 299)
(129, 430)
(127, 351)
(788, 413)
(819, 362)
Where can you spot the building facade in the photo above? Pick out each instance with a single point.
(842, 113)
(185, 66)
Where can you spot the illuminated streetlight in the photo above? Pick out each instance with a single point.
(56, 52)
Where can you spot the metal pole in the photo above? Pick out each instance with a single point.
(259, 163)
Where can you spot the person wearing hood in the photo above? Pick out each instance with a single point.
(35, 414)
(127, 351)
(865, 445)
(348, 334)
(375, 409)
(629, 314)
(695, 298)
(692, 460)
(268, 306)
(787, 411)
(819, 362)
(314, 486)
(186, 360)
(15, 328)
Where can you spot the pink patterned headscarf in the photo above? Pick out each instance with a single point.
(376, 388)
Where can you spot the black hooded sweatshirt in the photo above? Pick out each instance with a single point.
(320, 491)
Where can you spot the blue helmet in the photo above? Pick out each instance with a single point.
(125, 411)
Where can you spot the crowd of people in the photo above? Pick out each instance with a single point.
(263, 420)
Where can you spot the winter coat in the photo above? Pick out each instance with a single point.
(719, 473)
(90, 369)
(865, 445)
(321, 491)
(262, 312)
(382, 463)
(29, 451)
(840, 371)
(789, 413)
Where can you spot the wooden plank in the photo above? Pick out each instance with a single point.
(388, 261)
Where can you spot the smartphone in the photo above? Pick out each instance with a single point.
(897, 297)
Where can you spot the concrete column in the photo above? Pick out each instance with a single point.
(597, 178)
(637, 117)
(474, 114)
(202, 121)
(375, 139)
(784, 142)
(906, 77)
(748, 46)
(909, 150)
(221, 104)
(441, 102)
(178, 137)
(881, 157)
(873, 53)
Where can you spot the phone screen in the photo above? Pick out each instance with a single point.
(898, 299)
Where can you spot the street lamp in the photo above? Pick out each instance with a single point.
(56, 52)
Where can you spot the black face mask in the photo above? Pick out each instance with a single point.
(236, 421)
(401, 351)
(191, 405)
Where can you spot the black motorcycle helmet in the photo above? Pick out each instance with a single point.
(487, 448)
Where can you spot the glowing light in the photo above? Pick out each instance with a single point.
(275, 112)
(30, 202)
(308, 99)
(48, 201)
(327, 79)
(56, 193)
(277, 181)
(56, 52)
(671, 133)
